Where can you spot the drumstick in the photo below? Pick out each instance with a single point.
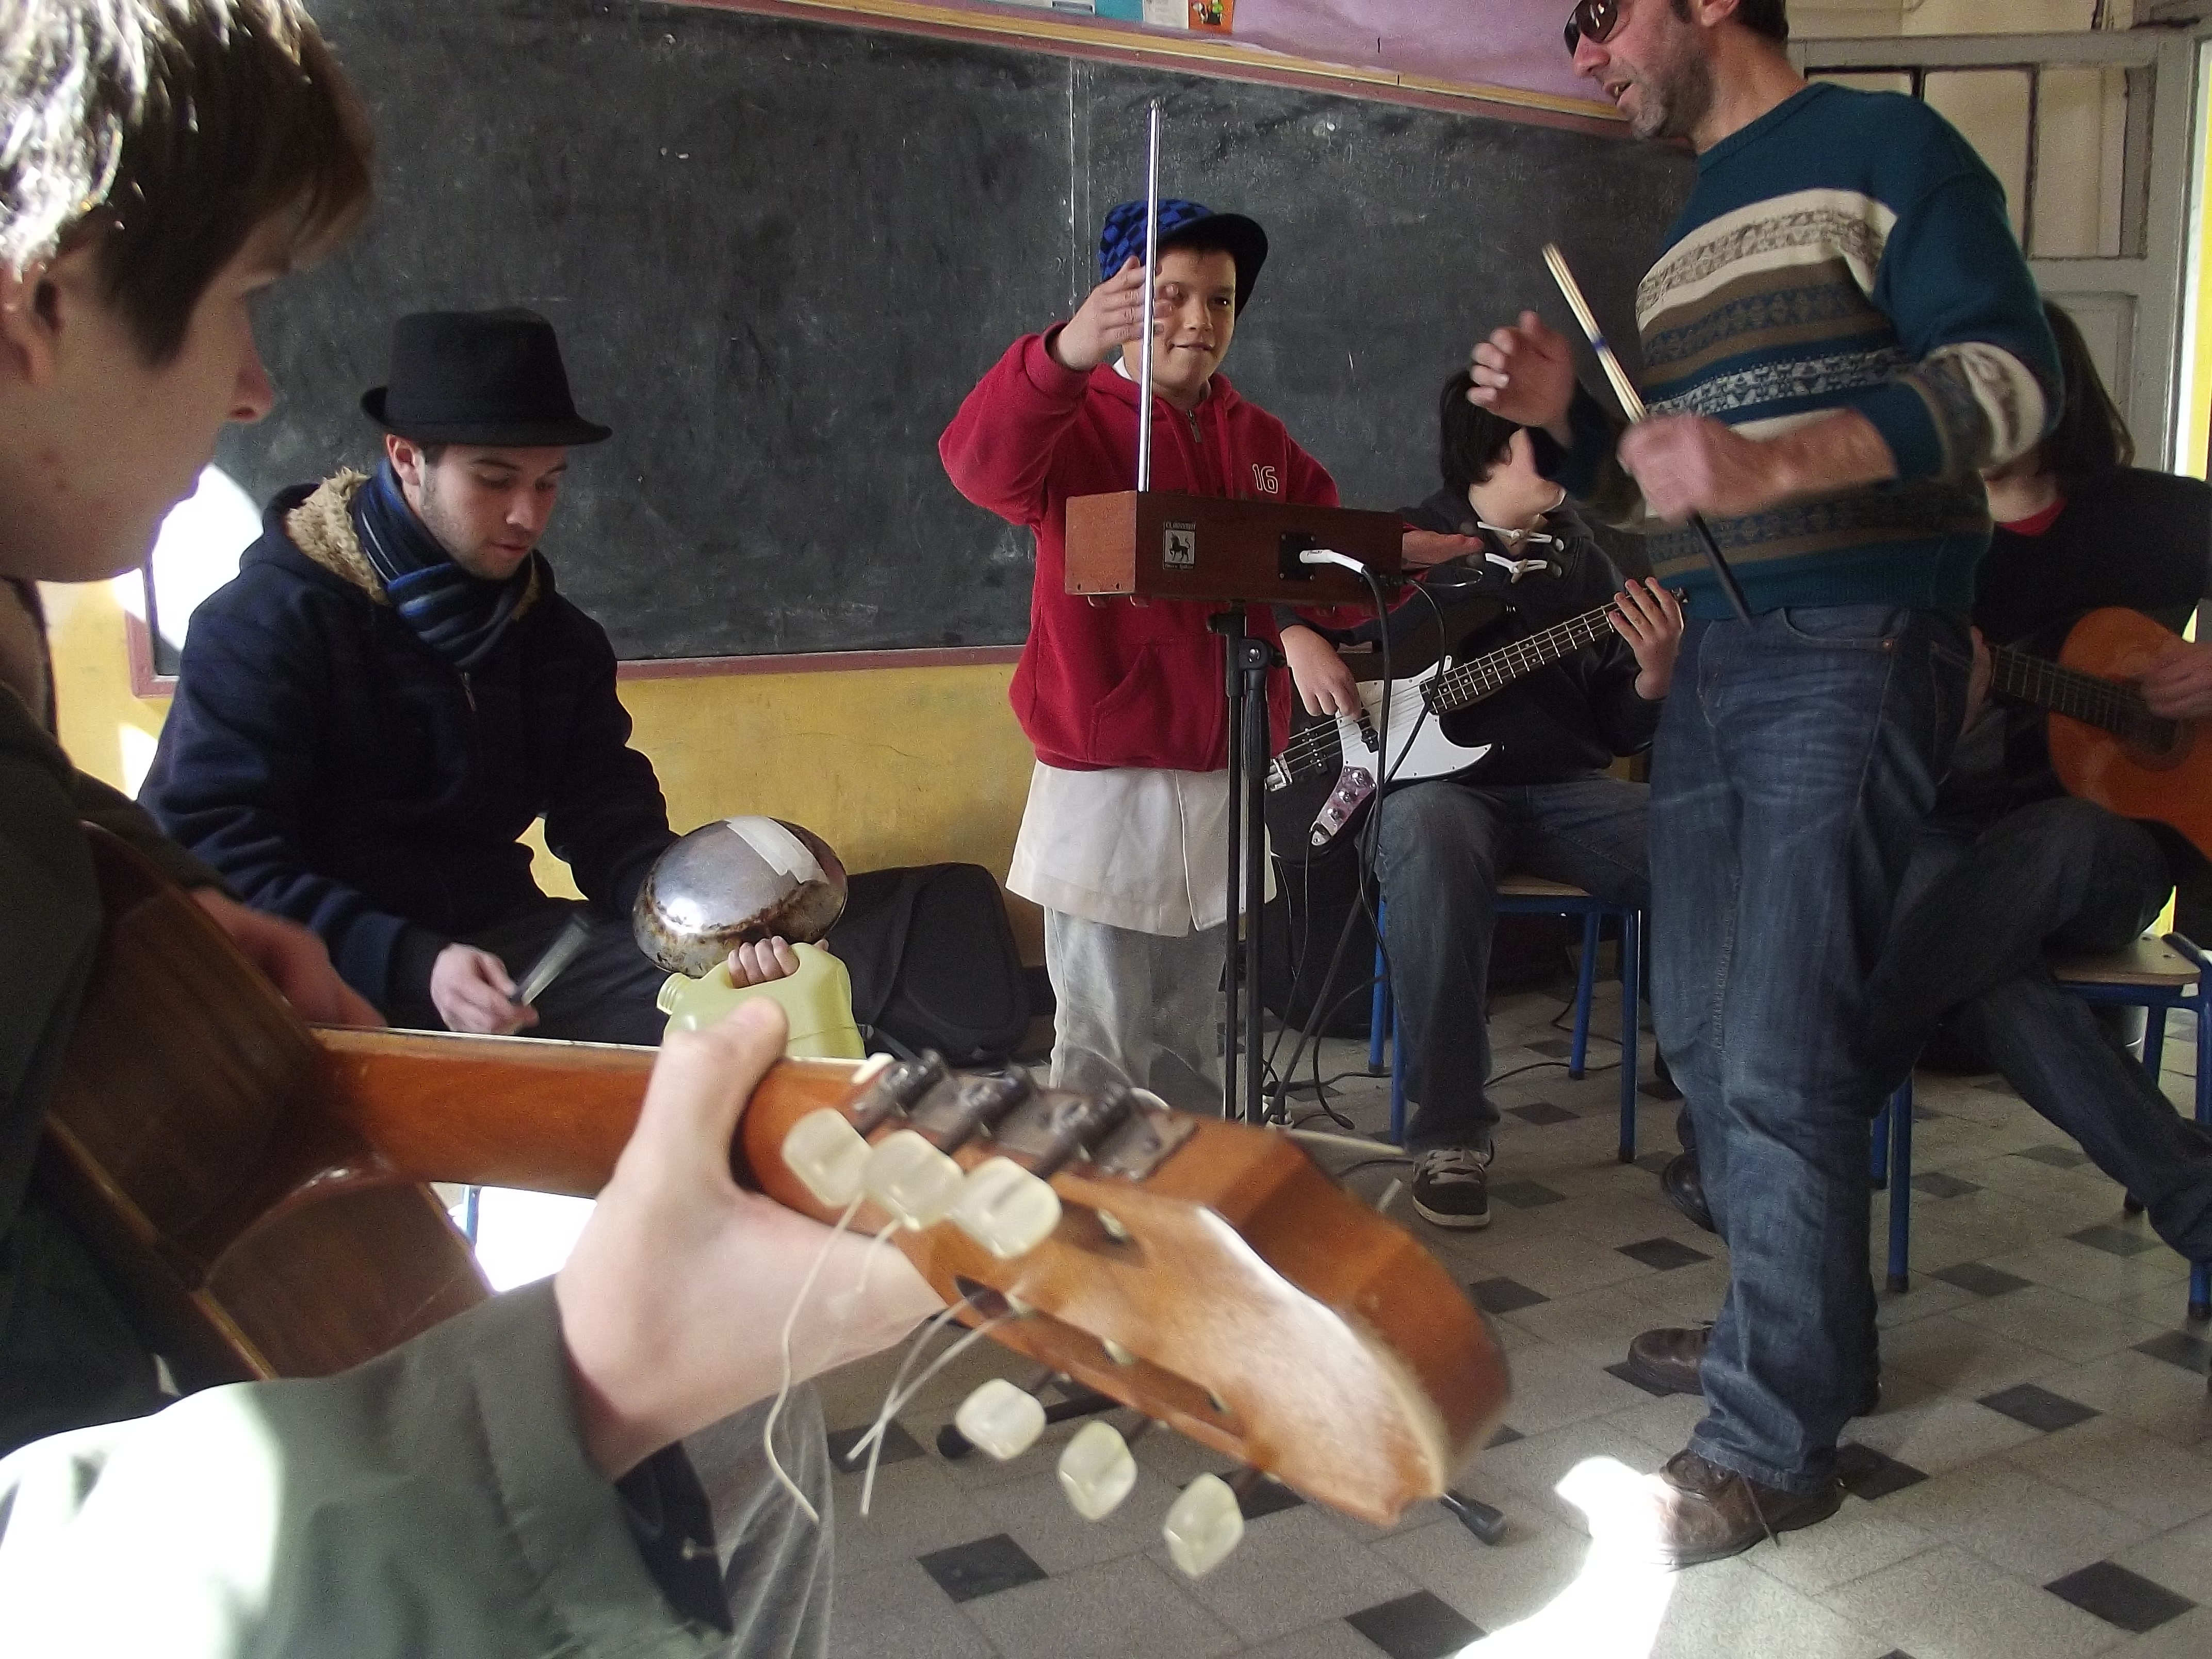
(558, 956)
(1632, 404)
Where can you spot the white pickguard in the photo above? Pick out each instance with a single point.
(1419, 748)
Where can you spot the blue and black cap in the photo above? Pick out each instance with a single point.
(1180, 224)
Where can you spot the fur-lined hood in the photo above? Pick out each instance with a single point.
(321, 527)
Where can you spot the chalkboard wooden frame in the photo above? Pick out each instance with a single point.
(1195, 54)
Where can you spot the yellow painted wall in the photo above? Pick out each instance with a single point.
(890, 766)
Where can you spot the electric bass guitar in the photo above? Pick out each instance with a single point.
(255, 1189)
(2106, 745)
(1350, 746)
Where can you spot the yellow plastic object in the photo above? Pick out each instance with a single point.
(818, 999)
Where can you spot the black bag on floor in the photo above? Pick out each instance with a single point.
(934, 962)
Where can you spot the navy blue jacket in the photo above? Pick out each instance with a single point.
(338, 770)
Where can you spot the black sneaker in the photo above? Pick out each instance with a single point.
(1451, 1187)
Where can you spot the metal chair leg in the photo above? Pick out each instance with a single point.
(1585, 986)
(1632, 963)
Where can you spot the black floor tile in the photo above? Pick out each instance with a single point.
(1871, 1475)
(2038, 1408)
(2117, 1241)
(1655, 1162)
(983, 1568)
(2191, 1354)
(1626, 1375)
(1664, 1254)
(2120, 1597)
(1663, 1092)
(1542, 1112)
(1267, 1498)
(1554, 1048)
(1979, 1278)
(1924, 1114)
(2059, 1158)
(1527, 1195)
(1936, 1184)
(898, 1446)
(1505, 1296)
(1416, 1626)
(1506, 1435)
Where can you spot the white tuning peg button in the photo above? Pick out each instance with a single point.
(827, 1154)
(1096, 1471)
(1203, 1526)
(1001, 1419)
(913, 1180)
(1005, 1209)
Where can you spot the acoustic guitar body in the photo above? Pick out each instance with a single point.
(251, 1234)
(2168, 780)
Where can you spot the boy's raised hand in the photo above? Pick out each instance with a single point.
(1109, 319)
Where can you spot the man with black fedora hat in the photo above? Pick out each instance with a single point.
(371, 714)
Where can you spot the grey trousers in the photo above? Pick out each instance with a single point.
(1136, 1008)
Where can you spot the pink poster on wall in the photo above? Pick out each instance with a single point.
(1500, 43)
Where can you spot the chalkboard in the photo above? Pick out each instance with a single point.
(779, 253)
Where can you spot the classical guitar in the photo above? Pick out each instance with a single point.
(2106, 745)
(1350, 746)
(256, 1186)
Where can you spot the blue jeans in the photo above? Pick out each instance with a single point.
(1440, 850)
(1979, 911)
(1795, 763)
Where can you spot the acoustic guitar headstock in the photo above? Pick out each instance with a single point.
(1204, 1273)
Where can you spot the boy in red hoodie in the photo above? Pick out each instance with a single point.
(1125, 839)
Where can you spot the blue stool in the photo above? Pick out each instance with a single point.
(2154, 977)
(1535, 895)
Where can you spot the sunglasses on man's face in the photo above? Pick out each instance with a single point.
(1596, 18)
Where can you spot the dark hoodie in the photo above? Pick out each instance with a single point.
(1564, 721)
(338, 770)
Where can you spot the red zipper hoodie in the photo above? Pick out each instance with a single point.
(1113, 683)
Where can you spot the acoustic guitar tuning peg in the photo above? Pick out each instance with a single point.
(1203, 1526)
(1001, 1418)
(827, 1154)
(911, 1179)
(1096, 1470)
(1005, 1209)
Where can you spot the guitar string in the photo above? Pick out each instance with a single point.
(783, 1390)
(1536, 651)
(894, 1405)
(1524, 657)
(2111, 705)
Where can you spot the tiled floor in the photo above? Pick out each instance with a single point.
(2037, 1482)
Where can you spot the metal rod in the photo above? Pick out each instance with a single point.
(1631, 406)
(1152, 283)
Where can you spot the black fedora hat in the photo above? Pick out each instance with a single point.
(479, 377)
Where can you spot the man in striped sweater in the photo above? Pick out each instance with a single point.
(1840, 334)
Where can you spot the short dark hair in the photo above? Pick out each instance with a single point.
(1768, 17)
(2091, 436)
(1475, 439)
(170, 130)
(1198, 239)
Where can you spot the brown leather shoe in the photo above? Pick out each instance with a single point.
(1670, 1358)
(1700, 1511)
